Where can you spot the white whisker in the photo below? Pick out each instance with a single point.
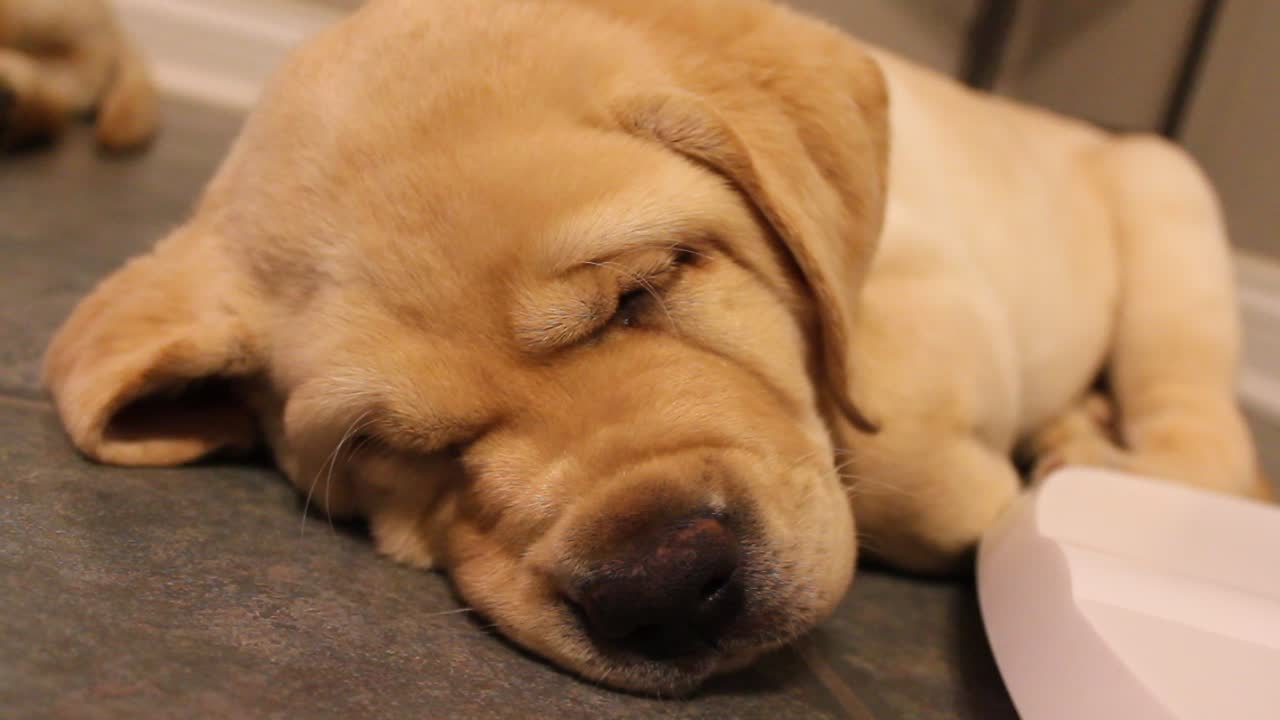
(856, 484)
(801, 460)
(329, 463)
(459, 611)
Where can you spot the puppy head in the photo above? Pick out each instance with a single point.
(570, 327)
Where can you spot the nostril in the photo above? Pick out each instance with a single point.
(714, 587)
(574, 606)
(720, 605)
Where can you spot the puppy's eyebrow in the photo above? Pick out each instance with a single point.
(625, 224)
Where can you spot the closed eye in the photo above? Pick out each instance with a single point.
(630, 304)
(640, 292)
(627, 292)
(640, 295)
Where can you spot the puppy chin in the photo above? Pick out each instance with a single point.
(668, 679)
(672, 678)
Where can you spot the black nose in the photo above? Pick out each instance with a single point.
(669, 594)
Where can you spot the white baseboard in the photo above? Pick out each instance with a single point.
(1259, 289)
(219, 51)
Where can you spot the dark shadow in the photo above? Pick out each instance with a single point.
(772, 673)
(868, 562)
(258, 457)
(354, 527)
(12, 149)
(981, 690)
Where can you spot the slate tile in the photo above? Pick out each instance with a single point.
(199, 592)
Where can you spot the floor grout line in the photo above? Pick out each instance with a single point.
(839, 690)
(27, 403)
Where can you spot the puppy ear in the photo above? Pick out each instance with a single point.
(141, 370)
(809, 148)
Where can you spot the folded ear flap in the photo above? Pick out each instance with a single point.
(811, 154)
(142, 371)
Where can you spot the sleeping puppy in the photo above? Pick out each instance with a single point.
(621, 314)
(65, 58)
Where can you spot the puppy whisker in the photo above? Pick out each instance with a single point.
(856, 485)
(442, 613)
(847, 463)
(329, 462)
(328, 483)
(801, 460)
(870, 545)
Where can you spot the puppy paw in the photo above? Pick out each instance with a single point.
(1083, 435)
(400, 536)
(27, 117)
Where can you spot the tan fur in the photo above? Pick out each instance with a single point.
(65, 58)
(852, 288)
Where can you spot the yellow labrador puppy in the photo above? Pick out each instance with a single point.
(622, 312)
(63, 58)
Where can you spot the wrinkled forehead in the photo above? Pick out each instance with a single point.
(528, 205)
(441, 251)
(454, 127)
(445, 236)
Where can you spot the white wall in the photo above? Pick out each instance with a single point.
(1233, 126)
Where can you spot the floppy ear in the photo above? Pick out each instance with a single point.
(809, 148)
(140, 371)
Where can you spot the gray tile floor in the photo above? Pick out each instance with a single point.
(194, 591)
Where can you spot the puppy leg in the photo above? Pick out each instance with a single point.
(923, 497)
(37, 95)
(1177, 341)
(1083, 435)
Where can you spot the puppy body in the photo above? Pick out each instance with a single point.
(527, 283)
(1023, 255)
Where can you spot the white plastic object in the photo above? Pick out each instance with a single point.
(1107, 595)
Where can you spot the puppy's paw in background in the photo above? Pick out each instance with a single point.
(27, 125)
(72, 61)
(128, 113)
(26, 118)
(398, 534)
(1089, 434)
(1083, 435)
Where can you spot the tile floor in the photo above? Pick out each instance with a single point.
(195, 592)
